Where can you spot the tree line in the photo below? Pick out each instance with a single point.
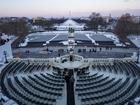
(48, 24)
(17, 28)
(127, 26)
(21, 27)
(95, 20)
(124, 25)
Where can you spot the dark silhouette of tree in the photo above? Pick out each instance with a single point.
(18, 28)
(126, 26)
(95, 20)
(49, 23)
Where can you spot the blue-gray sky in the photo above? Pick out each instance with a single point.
(53, 8)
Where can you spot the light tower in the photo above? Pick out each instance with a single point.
(71, 42)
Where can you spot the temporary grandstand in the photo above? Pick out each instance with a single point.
(88, 38)
(71, 80)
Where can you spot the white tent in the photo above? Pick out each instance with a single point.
(70, 24)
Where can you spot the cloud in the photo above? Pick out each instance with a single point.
(129, 0)
(126, 0)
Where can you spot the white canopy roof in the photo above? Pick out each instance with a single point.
(70, 23)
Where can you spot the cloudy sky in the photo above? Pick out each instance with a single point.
(59, 8)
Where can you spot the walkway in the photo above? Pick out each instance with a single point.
(70, 89)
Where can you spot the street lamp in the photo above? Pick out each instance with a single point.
(5, 55)
(138, 54)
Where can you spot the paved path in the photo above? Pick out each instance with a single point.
(53, 52)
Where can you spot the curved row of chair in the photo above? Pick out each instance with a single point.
(104, 87)
(19, 67)
(108, 89)
(96, 85)
(125, 68)
(32, 88)
(88, 82)
(110, 92)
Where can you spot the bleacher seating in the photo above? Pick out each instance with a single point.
(29, 84)
(32, 83)
(109, 85)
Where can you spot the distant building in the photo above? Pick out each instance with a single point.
(36, 28)
(136, 19)
(70, 24)
(38, 18)
(13, 19)
(107, 18)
